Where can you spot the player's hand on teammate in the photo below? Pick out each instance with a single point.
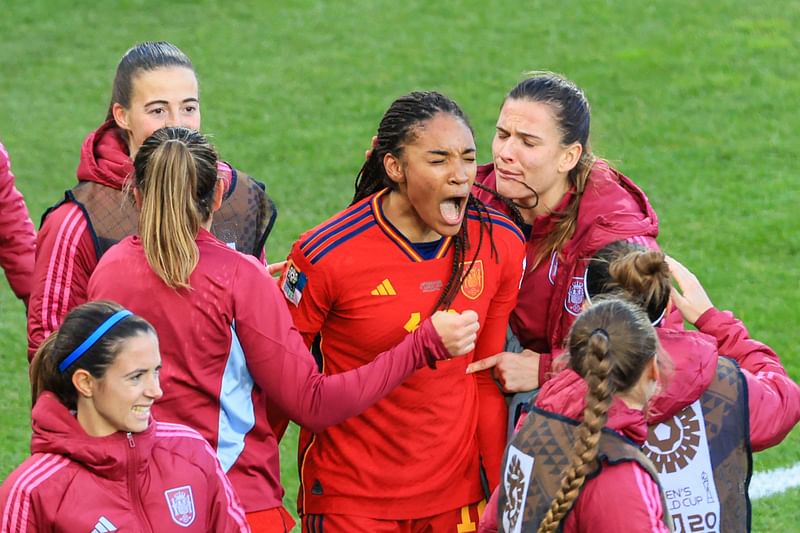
(458, 331)
(692, 300)
(275, 269)
(516, 372)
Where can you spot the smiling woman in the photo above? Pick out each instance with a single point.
(414, 241)
(94, 382)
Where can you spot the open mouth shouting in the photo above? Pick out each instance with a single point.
(452, 209)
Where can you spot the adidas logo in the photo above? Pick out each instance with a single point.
(103, 525)
(384, 288)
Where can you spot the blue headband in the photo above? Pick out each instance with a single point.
(93, 338)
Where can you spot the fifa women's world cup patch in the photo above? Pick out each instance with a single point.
(293, 283)
(472, 286)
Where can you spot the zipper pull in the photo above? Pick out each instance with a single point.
(130, 440)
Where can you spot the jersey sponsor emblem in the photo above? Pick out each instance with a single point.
(384, 288)
(575, 295)
(431, 286)
(472, 286)
(294, 281)
(516, 478)
(181, 505)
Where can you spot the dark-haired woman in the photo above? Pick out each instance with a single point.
(575, 465)
(100, 462)
(571, 204)
(226, 335)
(155, 86)
(414, 241)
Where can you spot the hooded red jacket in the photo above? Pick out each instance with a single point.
(612, 208)
(166, 478)
(17, 236)
(773, 398)
(622, 497)
(66, 254)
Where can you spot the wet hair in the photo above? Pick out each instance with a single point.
(78, 325)
(399, 127)
(572, 115)
(175, 171)
(629, 270)
(610, 345)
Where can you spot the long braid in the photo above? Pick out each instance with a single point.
(598, 400)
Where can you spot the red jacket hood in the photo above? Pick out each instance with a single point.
(611, 201)
(56, 430)
(690, 370)
(104, 157)
(565, 395)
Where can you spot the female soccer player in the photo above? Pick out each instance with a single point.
(575, 464)
(17, 236)
(728, 394)
(571, 203)
(414, 241)
(227, 337)
(711, 412)
(155, 86)
(100, 461)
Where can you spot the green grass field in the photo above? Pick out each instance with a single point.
(697, 102)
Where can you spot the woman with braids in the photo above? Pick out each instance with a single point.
(713, 410)
(575, 464)
(413, 242)
(100, 462)
(570, 205)
(226, 334)
(693, 446)
(155, 86)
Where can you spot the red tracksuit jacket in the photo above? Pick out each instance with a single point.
(163, 479)
(17, 236)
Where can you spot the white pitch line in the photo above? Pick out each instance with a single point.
(770, 482)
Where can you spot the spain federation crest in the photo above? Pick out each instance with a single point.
(472, 286)
(181, 505)
(574, 300)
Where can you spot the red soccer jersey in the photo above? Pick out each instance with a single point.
(359, 284)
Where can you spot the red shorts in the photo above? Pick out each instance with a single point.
(463, 520)
(275, 520)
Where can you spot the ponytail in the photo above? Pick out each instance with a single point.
(82, 342)
(567, 220)
(598, 400)
(610, 345)
(176, 176)
(639, 274)
(45, 374)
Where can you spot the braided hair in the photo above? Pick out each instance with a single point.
(400, 126)
(610, 345)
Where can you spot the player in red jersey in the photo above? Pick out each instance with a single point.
(414, 241)
(226, 333)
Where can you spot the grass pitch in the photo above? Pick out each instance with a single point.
(695, 102)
